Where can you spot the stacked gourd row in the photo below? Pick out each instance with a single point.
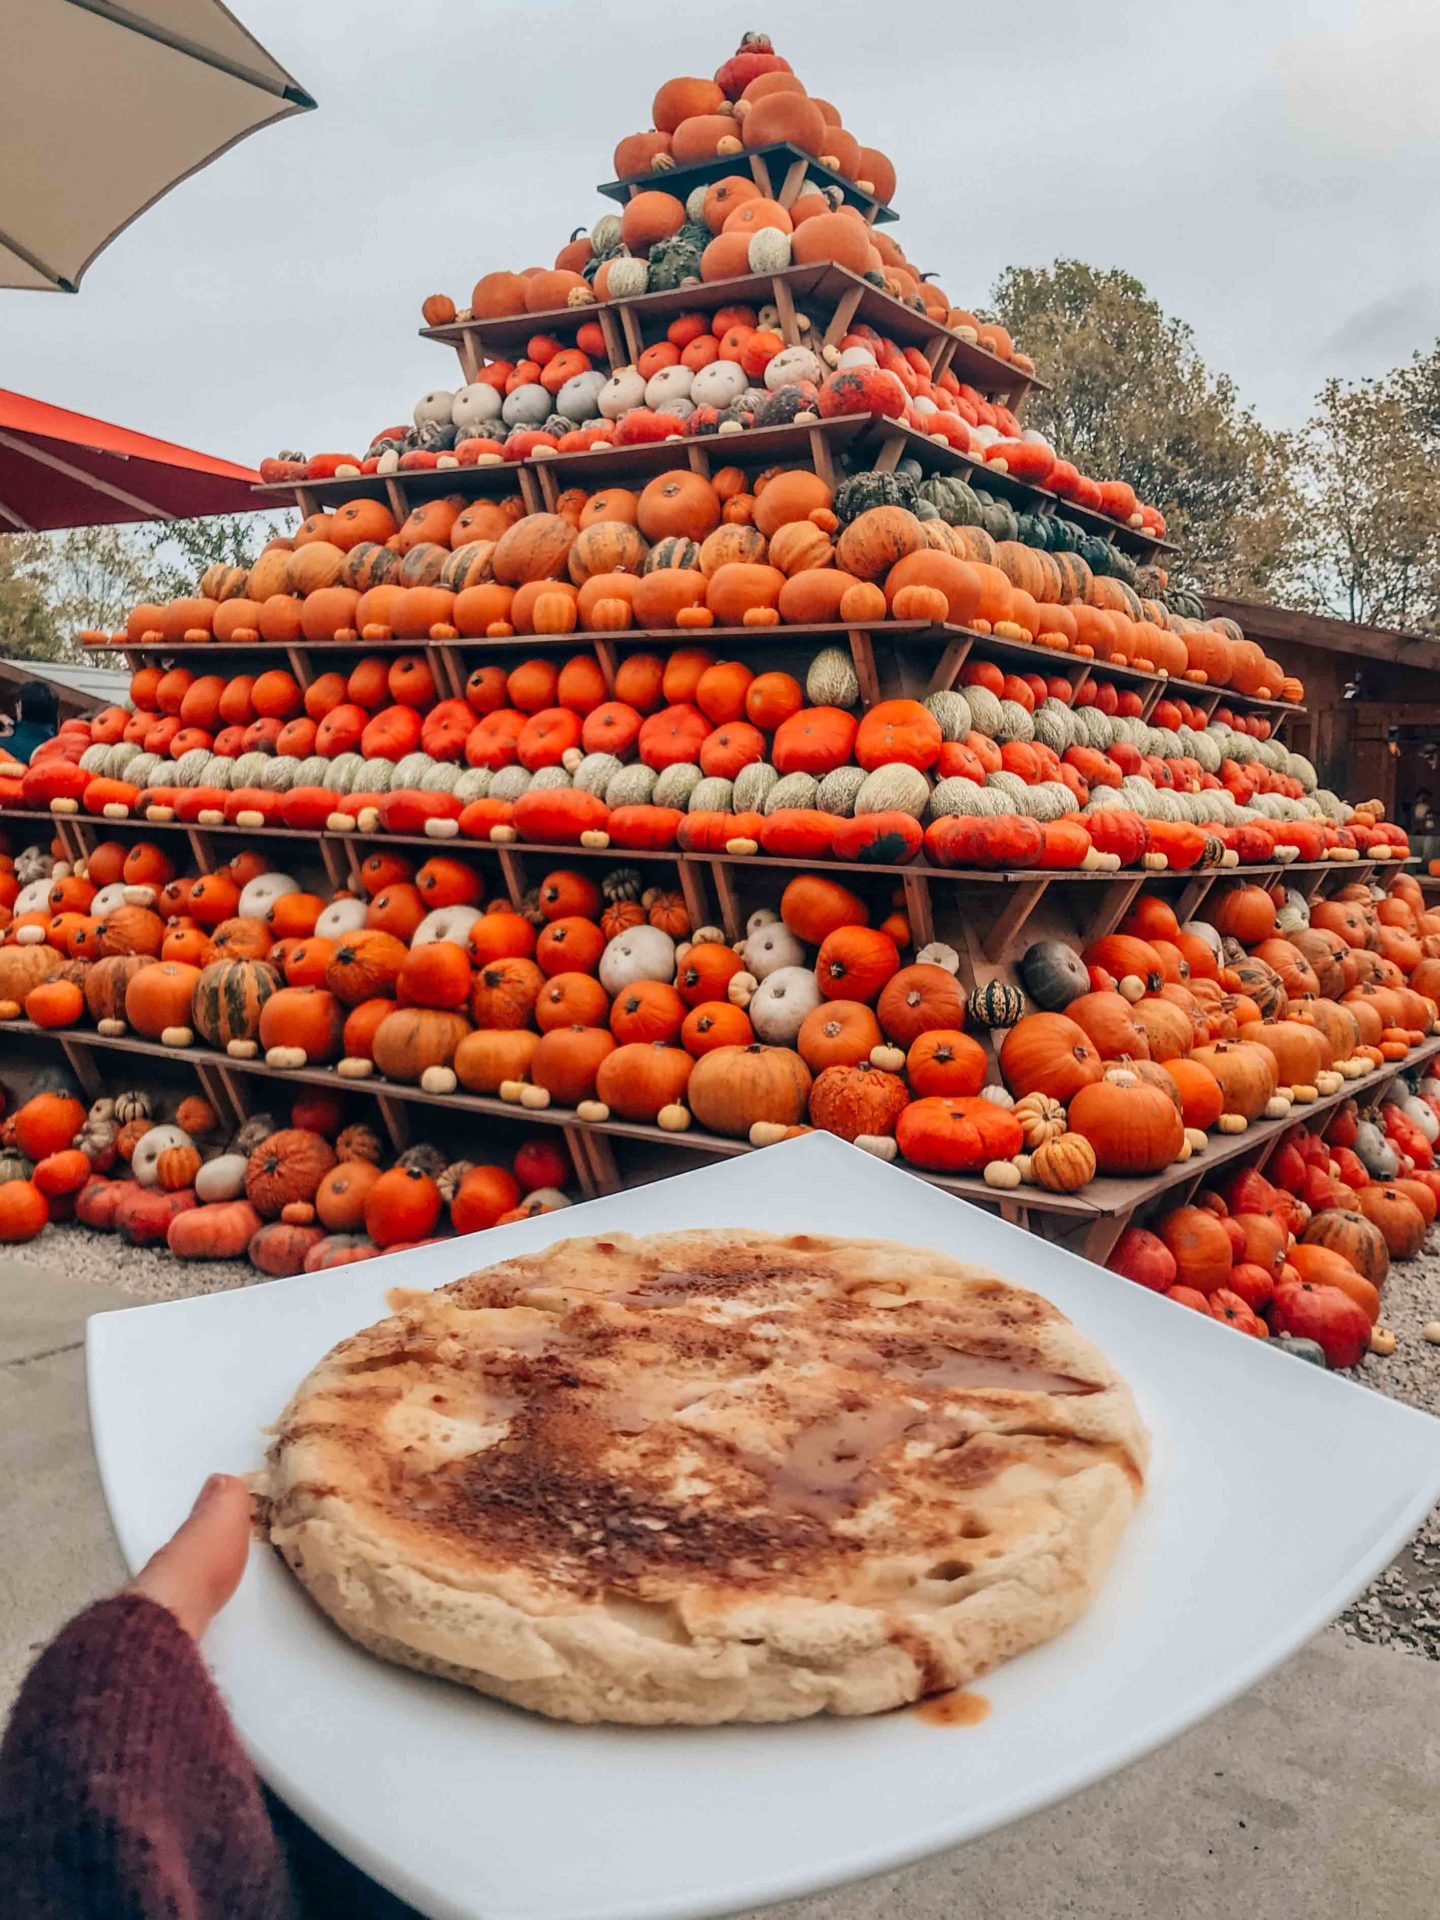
(1303, 1250)
(602, 999)
(316, 1192)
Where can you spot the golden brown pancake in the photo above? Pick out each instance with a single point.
(708, 1476)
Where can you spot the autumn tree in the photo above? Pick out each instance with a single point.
(1129, 397)
(1369, 468)
(27, 625)
(177, 552)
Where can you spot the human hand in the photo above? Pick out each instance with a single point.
(199, 1567)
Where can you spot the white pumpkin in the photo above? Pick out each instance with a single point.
(622, 391)
(627, 278)
(771, 947)
(579, 398)
(107, 900)
(1203, 930)
(526, 406)
(769, 251)
(445, 923)
(780, 1003)
(717, 385)
(1421, 1116)
(222, 1178)
(33, 899)
(341, 917)
(143, 1162)
(433, 409)
(257, 896)
(762, 917)
(855, 357)
(663, 389)
(640, 953)
(793, 364)
(475, 408)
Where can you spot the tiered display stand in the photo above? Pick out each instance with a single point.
(987, 916)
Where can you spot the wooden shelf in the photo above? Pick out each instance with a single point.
(777, 160)
(935, 457)
(832, 298)
(753, 446)
(907, 634)
(1102, 1209)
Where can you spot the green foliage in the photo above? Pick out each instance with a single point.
(1131, 398)
(1369, 467)
(27, 625)
(179, 551)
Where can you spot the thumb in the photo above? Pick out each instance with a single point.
(197, 1570)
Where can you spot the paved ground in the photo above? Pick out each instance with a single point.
(1314, 1798)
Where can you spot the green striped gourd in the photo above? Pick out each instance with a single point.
(93, 759)
(543, 778)
(249, 768)
(1095, 727)
(218, 771)
(441, 775)
(141, 768)
(190, 767)
(673, 552)
(1017, 794)
(228, 999)
(343, 769)
(674, 786)
(963, 797)
(1054, 725)
(118, 758)
(1050, 799)
(313, 771)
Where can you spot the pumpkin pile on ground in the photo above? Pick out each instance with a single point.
(320, 1191)
(1303, 1250)
(596, 995)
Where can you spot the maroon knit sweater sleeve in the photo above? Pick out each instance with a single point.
(124, 1791)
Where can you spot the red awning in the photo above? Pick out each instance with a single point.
(62, 469)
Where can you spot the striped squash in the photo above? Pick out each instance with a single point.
(468, 566)
(229, 996)
(370, 565)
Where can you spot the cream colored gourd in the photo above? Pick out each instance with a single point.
(445, 923)
(780, 1003)
(771, 947)
(640, 953)
(222, 1178)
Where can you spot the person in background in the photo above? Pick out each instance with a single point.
(1422, 811)
(124, 1791)
(37, 722)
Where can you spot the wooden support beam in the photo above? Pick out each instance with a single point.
(397, 499)
(1196, 890)
(846, 308)
(947, 667)
(785, 306)
(396, 1116)
(891, 451)
(604, 1172)
(1100, 1236)
(1111, 908)
(469, 358)
(530, 489)
(201, 849)
(918, 909)
(1021, 901)
(729, 902)
(512, 871)
(792, 183)
(614, 338)
(862, 652)
(692, 890)
(605, 659)
(822, 460)
(81, 1062)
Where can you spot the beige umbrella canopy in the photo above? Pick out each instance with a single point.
(105, 108)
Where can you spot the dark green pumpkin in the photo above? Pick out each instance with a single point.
(865, 490)
(1054, 975)
(951, 498)
(229, 996)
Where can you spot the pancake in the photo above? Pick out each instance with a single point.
(710, 1476)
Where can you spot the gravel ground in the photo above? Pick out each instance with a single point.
(1402, 1608)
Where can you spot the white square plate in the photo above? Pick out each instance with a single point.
(472, 1810)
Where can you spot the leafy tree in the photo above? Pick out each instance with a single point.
(96, 574)
(179, 551)
(1130, 398)
(1370, 471)
(27, 625)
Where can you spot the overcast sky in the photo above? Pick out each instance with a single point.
(1269, 168)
